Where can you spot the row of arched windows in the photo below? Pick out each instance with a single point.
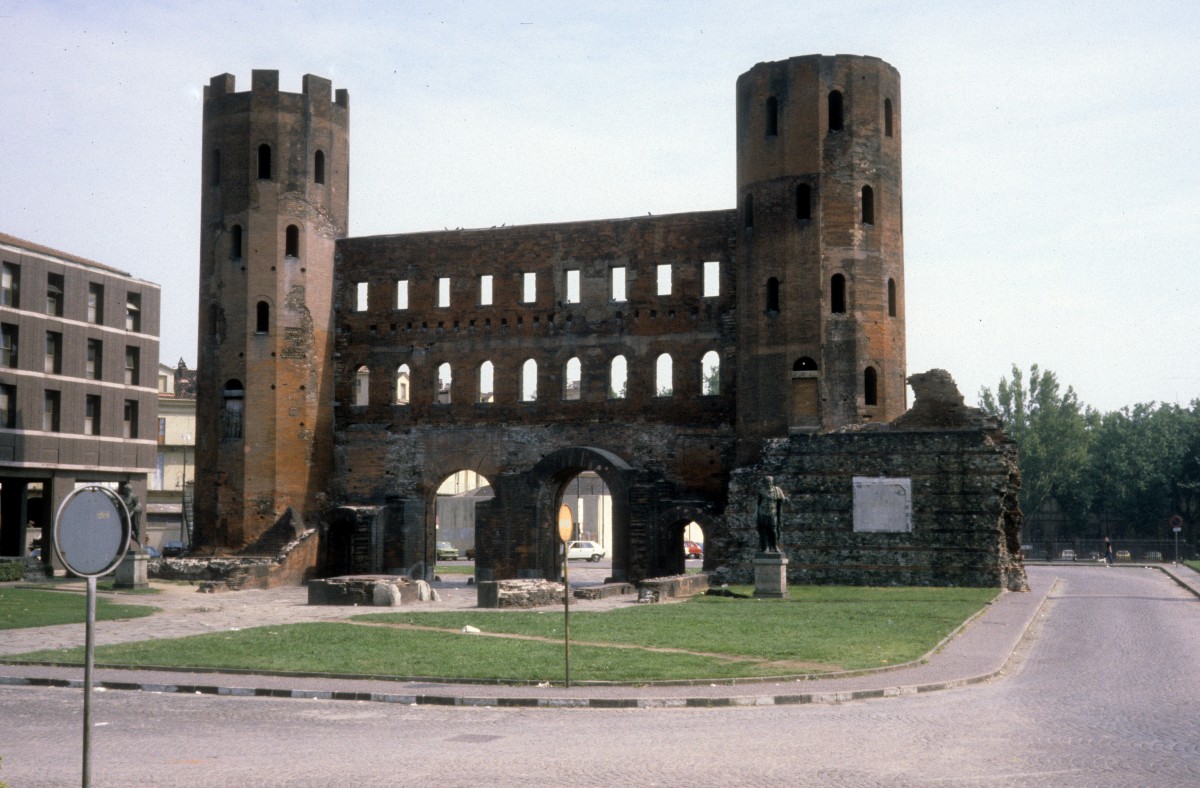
(836, 114)
(265, 165)
(572, 389)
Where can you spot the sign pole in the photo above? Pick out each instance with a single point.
(88, 665)
(566, 526)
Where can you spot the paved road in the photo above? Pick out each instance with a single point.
(1106, 692)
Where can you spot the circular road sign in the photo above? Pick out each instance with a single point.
(91, 531)
(566, 523)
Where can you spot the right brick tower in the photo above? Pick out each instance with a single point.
(820, 247)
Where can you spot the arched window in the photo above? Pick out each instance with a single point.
(710, 374)
(804, 364)
(403, 385)
(887, 117)
(573, 379)
(216, 167)
(618, 378)
(664, 376)
(835, 110)
(262, 318)
(749, 212)
(868, 205)
(772, 116)
(891, 298)
(264, 162)
(291, 244)
(443, 384)
(362, 386)
(804, 202)
(529, 381)
(870, 395)
(837, 294)
(232, 399)
(235, 242)
(319, 167)
(487, 377)
(772, 296)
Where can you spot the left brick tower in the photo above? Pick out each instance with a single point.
(274, 202)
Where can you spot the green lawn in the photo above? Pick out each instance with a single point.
(22, 607)
(1194, 565)
(820, 629)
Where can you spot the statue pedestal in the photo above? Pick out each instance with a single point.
(770, 576)
(132, 572)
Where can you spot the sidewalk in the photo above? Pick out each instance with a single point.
(978, 652)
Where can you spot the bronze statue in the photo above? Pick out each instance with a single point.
(769, 515)
(135, 510)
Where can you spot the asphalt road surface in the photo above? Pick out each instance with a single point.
(1105, 692)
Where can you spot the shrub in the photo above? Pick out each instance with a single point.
(11, 570)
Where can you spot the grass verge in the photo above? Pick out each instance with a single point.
(21, 607)
(820, 629)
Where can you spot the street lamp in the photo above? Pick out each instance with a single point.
(183, 535)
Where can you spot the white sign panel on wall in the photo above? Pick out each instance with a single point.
(882, 505)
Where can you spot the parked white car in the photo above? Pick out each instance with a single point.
(589, 551)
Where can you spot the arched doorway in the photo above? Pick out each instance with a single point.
(454, 514)
(682, 543)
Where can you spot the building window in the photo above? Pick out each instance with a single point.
(319, 167)
(91, 415)
(54, 295)
(748, 214)
(362, 386)
(835, 110)
(710, 374)
(235, 242)
(868, 205)
(443, 291)
(291, 242)
(360, 297)
(487, 381)
(402, 294)
(53, 364)
(804, 202)
(870, 396)
(528, 287)
(573, 286)
(133, 312)
(572, 379)
(618, 283)
(772, 296)
(10, 285)
(529, 381)
(664, 279)
(132, 366)
(403, 385)
(216, 168)
(837, 294)
(9, 335)
(772, 116)
(264, 162)
(51, 411)
(891, 298)
(95, 360)
(485, 290)
(664, 376)
(618, 378)
(162, 431)
(95, 303)
(444, 382)
(8, 406)
(887, 117)
(712, 279)
(232, 400)
(130, 429)
(262, 318)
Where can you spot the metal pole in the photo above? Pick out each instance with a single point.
(567, 615)
(89, 648)
(183, 499)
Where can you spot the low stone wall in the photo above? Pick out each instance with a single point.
(291, 566)
(676, 586)
(519, 593)
(369, 590)
(605, 591)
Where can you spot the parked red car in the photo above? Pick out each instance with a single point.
(693, 550)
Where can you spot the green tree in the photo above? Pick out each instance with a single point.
(1052, 430)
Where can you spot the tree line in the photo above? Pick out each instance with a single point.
(1086, 474)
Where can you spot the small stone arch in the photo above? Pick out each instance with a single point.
(669, 545)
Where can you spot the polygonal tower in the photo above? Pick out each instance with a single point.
(274, 202)
(820, 303)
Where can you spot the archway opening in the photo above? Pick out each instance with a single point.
(592, 542)
(454, 521)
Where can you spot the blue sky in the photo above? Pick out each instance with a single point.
(1050, 156)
